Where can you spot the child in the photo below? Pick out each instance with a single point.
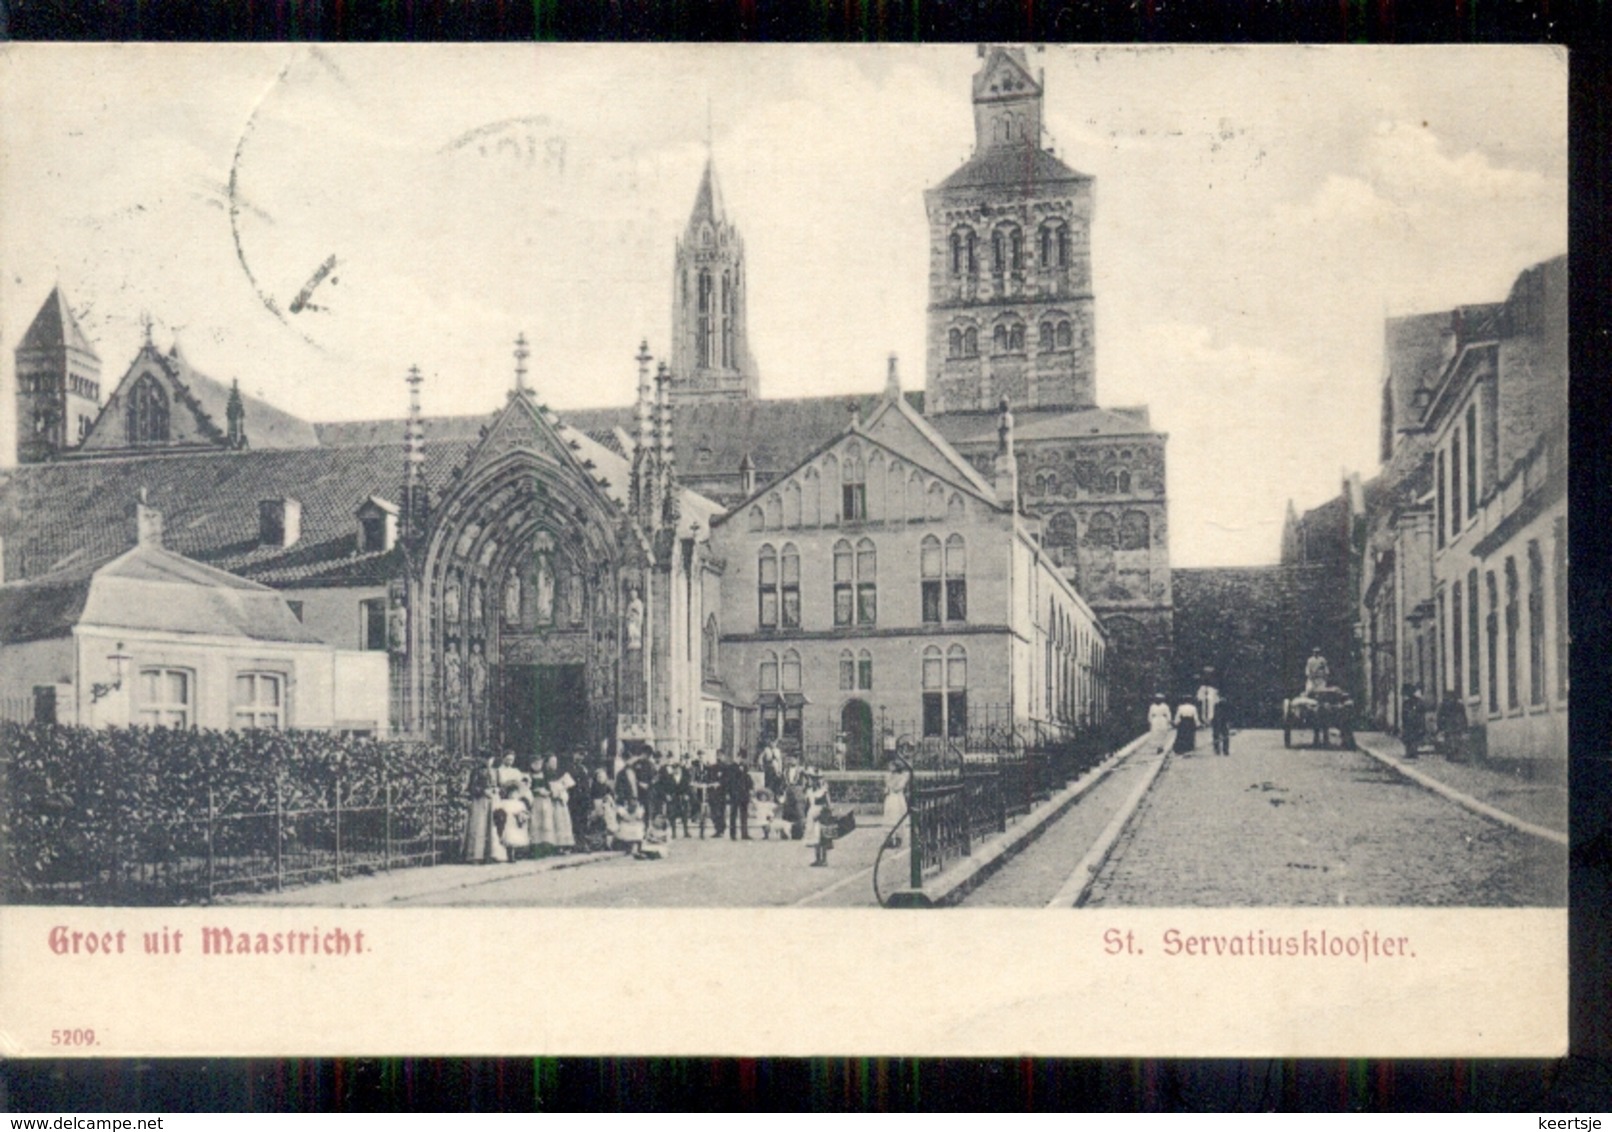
(657, 840)
(630, 826)
(764, 812)
(820, 831)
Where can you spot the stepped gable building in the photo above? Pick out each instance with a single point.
(1011, 316)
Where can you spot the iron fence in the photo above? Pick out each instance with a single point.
(963, 792)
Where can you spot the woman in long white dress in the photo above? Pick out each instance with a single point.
(1159, 723)
(560, 784)
(896, 777)
(512, 813)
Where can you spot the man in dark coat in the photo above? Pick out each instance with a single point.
(738, 800)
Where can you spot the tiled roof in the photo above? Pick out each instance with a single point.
(55, 325)
(147, 588)
(61, 514)
(1028, 168)
(348, 434)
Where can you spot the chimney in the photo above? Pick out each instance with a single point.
(892, 381)
(747, 475)
(279, 522)
(147, 523)
(1007, 464)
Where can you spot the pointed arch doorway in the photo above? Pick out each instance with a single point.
(856, 724)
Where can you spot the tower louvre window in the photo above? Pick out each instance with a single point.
(703, 322)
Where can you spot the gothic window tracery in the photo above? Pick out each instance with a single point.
(1133, 531)
(704, 330)
(1100, 531)
(148, 412)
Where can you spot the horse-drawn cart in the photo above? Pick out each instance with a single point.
(1320, 710)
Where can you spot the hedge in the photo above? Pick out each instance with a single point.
(81, 811)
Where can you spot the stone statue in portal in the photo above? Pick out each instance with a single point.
(478, 676)
(575, 610)
(478, 598)
(545, 590)
(450, 602)
(635, 623)
(512, 598)
(452, 681)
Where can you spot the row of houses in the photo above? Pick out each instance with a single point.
(1456, 553)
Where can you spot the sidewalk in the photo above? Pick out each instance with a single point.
(402, 885)
(1537, 803)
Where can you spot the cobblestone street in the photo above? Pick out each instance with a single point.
(1277, 827)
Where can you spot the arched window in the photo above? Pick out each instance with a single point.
(998, 252)
(954, 343)
(999, 338)
(1048, 338)
(165, 697)
(769, 672)
(792, 504)
(775, 511)
(259, 701)
(936, 506)
(1100, 531)
(844, 583)
(1015, 249)
(867, 578)
(957, 252)
(148, 412)
(811, 513)
(1124, 482)
(847, 671)
(1536, 623)
(945, 692)
(1492, 635)
(1016, 338)
(789, 577)
(1054, 244)
(971, 343)
(708, 648)
(1066, 335)
(1111, 482)
(1513, 624)
(758, 521)
(704, 331)
(1062, 530)
(956, 579)
(767, 587)
(929, 578)
(853, 487)
(790, 676)
(1133, 533)
(864, 671)
(727, 320)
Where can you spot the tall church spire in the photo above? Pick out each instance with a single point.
(710, 342)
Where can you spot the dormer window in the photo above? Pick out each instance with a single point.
(377, 525)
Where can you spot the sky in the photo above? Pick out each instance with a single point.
(314, 220)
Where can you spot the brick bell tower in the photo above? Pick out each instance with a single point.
(1010, 301)
(58, 383)
(710, 342)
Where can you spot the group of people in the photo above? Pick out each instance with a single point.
(513, 812)
(1207, 708)
(636, 803)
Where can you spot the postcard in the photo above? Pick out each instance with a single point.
(673, 549)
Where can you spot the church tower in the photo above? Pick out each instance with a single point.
(710, 345)
(58, 383)
(1010, 302)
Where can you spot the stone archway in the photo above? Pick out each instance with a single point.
(856, 724)
(523, 581)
